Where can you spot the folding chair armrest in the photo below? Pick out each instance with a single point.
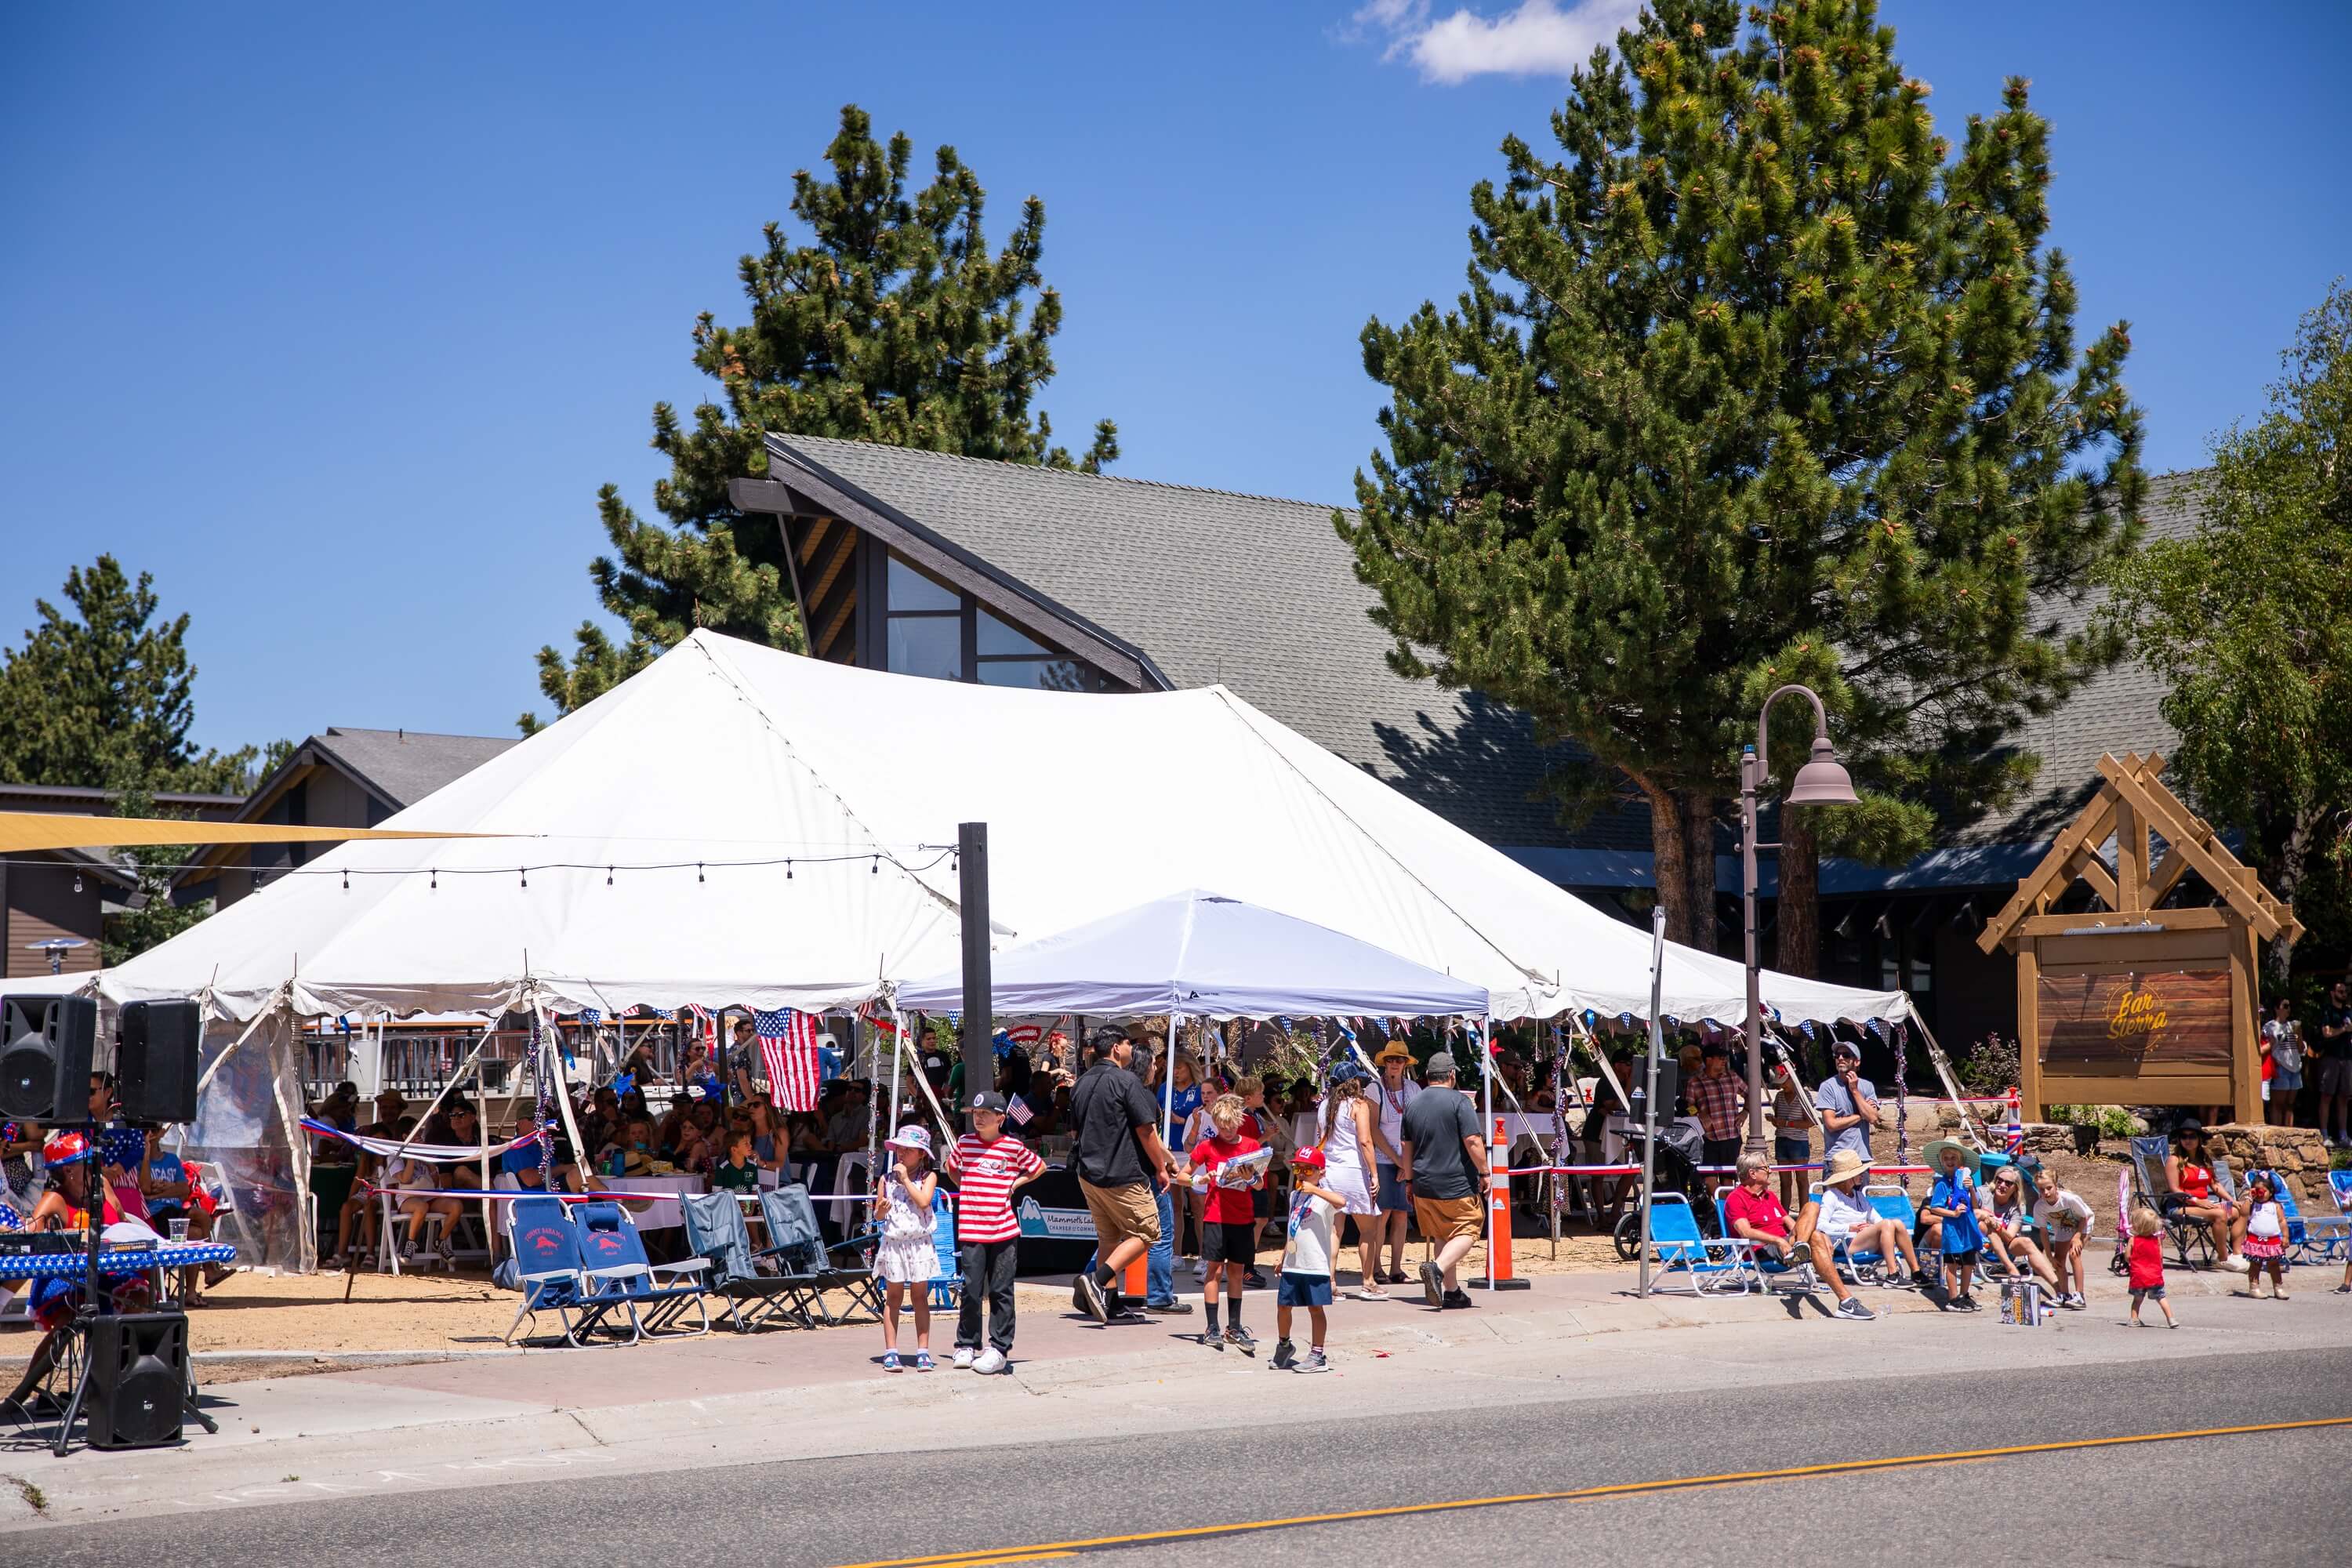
(689, 1266)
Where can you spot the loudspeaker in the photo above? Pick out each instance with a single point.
(47, 1058)
(138, 1379)
(156, 1061)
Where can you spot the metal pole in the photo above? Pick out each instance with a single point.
(1750, 765)
(979, 1001)
(1650, 1094)
(1487, 1121)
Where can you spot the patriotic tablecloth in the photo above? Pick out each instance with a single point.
(112, 1260)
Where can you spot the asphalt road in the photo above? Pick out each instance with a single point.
(2270, 1498)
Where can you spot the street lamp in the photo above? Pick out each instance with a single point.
(56, 947)
(1823, 781)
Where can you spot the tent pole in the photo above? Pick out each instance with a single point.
(482, 1136)
(898, 1073)
(1650, 1094)
(1486, 1126)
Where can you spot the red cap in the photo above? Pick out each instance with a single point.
(1310, 1159)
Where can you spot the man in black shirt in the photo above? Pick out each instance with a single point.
(2335, 1068)
(1445, 1161)
(1116, 1152)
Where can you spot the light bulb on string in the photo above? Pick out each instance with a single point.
(697, 872)
(788, 870)
(434, 886)
(77, 881)
(876, 869)
(524, 872)
(347, 879)
(608, 876)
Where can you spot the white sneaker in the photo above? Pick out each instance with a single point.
(963, 1357)
(992, 1361)
(2235, 1262)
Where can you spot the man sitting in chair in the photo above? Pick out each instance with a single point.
(1754, 1214)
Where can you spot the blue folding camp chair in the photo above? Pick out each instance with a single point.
(1798, 1275)
(1713, 1266)
(548, 1267)
(2315, 1238)
(947, 1281)
(653, 1295)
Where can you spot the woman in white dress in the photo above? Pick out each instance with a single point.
(1348, 1166)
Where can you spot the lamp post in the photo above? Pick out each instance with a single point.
(1823, 781)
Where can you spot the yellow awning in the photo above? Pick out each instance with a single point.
(21, 830)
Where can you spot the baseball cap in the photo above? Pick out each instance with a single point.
(1441, 1065)
(988, 1099)
(1310, 1158)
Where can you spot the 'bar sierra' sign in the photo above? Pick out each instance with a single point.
(2123, 1024)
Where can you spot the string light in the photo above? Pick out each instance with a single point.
(608, 876)
(347, 882)
(524, 872)
(77, 881)
(435, 885)
(698, 871)
(876, 870)
(788, 870)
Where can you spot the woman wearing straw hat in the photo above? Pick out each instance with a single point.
(1394, 1091)
(1846, 1217)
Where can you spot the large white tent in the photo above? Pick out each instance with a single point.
(740, 825)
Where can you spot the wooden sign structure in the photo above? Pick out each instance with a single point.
(2135, 1004)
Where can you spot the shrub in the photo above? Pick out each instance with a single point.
(1990, 1066)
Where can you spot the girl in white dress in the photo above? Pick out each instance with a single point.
(1348, 1166)
(907, 1259)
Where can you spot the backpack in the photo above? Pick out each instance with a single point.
(2287, 1048)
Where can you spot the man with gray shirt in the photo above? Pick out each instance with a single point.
(1848, 1102)
(1444, 1158)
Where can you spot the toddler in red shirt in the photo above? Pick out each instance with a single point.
(2146, 1256)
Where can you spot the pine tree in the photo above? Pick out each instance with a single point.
(1756, 381)
(893, 322)
(103, 698)
(2244, 621)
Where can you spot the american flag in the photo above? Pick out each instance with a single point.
(590, 1016)
(706, 1021)
(788, 1042)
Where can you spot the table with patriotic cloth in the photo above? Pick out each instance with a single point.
(112, 1261)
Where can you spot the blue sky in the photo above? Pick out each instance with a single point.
(336, 320)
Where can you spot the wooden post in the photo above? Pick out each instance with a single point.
(2029, 1028)
(2131, 861)
(2245, 1074)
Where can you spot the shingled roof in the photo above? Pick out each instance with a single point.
(2116, 711)
(1256, 593)
(404, 766)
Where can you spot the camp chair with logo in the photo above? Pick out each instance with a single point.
(546, 1247)
(1711, 1266)
(653, 1295)
(716, 1230)
(803, 1257)
(2193, 1239)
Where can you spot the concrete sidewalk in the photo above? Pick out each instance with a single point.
(692, 1402)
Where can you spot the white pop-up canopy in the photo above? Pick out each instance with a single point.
(737, 826)
(1203, 955)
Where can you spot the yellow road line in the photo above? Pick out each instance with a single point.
(975, 1558)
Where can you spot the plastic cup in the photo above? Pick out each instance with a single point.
(179, 1232)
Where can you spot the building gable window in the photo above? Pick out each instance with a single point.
(929, 629)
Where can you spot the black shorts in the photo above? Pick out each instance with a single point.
(1961, 1259)
(1719, 1150)
(1229, 1243)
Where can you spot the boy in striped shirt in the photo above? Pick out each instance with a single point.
(988, 1168)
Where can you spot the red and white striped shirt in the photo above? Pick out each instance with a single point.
(985, 1173)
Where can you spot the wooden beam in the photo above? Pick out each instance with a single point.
(2087, 866)
(2166, 919)
(2029, 1033)
(2051, 877)
(770, 496)
(2131, 861)
(2157, 805)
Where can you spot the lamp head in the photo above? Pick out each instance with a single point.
(1824, 780)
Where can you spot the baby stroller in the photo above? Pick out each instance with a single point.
(1676, 1172)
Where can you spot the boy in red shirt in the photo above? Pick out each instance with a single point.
(988, 1168)
(1228, 1218)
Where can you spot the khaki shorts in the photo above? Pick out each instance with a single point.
(1440, 1220)
(1122, 1212)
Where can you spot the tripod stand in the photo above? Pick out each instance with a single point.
(80, 1365)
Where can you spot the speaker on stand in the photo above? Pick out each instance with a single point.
(156, 1061)
(139, 1388)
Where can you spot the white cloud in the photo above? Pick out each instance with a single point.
(1538, 37)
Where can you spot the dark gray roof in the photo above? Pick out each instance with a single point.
(2116, 711)
(404, 766)
(1258, 593)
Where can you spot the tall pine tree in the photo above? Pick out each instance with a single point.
(103, 697)
(1756, 381)
(893, 322)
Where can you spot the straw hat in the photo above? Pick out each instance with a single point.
(1844, 1166)
(1394, 1052)
(1933, 1153)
